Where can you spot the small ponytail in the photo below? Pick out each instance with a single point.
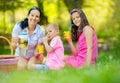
(24, 23)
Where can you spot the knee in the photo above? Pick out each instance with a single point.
(31, 63)
(21, 66)
(22, 63)
(31, 66)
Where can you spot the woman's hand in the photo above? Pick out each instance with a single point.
(14, 42)
(67, 36)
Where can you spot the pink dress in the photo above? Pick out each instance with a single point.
(79, 60)
(55, 59)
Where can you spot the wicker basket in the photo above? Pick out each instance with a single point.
(8, 62)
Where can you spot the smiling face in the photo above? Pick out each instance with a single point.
(76, 18)
(33, 17)
(52, 31)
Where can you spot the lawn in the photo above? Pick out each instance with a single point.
(107, 70)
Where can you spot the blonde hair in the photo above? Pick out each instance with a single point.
(54, 26)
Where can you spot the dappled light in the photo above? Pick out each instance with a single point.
(103, 16)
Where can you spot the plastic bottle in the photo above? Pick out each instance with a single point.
(23, 43)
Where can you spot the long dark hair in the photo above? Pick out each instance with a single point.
(75, 30)
(24, 23)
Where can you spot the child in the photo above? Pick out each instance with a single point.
(54, 49)
(86, 52)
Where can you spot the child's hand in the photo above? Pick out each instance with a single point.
(45, 39)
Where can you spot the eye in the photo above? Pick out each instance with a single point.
(32, 15)
(37, 16)
(50, 30)
(73, 18)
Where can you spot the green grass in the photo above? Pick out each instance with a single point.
(107, 70)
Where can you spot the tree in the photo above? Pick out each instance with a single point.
(44, 18)
(71, 4)
(9, 5)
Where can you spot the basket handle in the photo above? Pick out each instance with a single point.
(2, 37)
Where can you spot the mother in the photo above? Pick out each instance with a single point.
(35, 33)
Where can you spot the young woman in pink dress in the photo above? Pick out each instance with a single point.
(86, 51)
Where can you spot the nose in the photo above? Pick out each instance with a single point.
(76, 19)
(34, 17)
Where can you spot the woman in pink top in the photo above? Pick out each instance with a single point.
(54, 49)
(86, 51)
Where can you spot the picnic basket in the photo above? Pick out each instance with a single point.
(8, 62)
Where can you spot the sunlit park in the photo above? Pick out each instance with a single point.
(103, 15)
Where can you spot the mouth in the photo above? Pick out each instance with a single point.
(48, 37)
(34, 21)
(77, 23)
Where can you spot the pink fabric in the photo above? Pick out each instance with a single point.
(79, 60)
(55, 59)
(8, 61)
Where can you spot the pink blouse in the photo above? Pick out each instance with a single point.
(55, 58)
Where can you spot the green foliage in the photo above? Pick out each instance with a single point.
(115, 23)
(98, 13)
(56, 12)
(6, 5)
(104, 17)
